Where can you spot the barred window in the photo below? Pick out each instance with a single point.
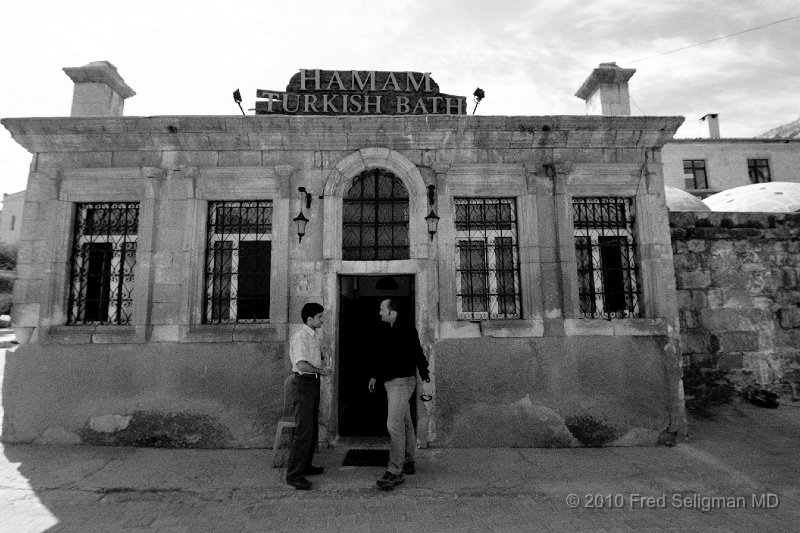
(375, 218)
(102, 260)
(238, 262)
(696, 168)
(758, 170)
(487, 259)
(605, 248)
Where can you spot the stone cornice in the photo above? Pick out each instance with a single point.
(164, 133)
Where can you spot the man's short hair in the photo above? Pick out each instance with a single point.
(310, 310)
(391, 303)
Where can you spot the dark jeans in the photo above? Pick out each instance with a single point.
(306, 434)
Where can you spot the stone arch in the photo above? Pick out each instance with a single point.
(342, 175)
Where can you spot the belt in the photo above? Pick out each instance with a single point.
(307, 374)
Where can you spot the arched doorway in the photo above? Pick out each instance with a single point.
(374, 228)
(361, 413)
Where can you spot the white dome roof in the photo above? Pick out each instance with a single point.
(680, 200)
(773, 197)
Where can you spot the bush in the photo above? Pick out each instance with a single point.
(8, 257)
(705, 386)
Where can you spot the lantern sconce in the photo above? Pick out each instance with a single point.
(432, 220)
(301, 219)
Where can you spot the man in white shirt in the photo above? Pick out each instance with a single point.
(306, 356)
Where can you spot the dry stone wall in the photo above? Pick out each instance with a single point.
(738, 281)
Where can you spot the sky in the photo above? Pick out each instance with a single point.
(530, 57)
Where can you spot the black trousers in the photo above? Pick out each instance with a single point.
(306, 434)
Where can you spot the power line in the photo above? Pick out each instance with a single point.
(715, 39)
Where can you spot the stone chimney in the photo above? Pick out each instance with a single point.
(713, 125)
(99, 90)
(606, 90)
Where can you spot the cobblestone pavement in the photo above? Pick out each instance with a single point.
(738, 472)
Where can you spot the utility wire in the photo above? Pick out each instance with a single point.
(715, 39)
(637, 105)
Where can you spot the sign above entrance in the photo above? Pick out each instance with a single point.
(360, 92)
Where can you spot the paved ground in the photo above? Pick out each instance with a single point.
(739, 472)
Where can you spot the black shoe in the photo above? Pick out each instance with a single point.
(409, 468)
(389, 481)
(314, 470)
(299, 483)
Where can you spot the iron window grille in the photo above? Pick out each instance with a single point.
(238, 262)
(102, 263)
(697, 169)
(605, 248)
(487, 259)
(758, 170)
(375, 218)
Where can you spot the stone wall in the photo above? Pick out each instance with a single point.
(738, 281)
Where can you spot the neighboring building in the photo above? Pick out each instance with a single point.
(11, 217)
(707, 166)
(164, 262)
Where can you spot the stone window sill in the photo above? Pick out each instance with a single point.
(261, 332)
(92, 334)
(465, 329)
(618, 327)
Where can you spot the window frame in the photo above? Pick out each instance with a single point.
(755, 167)
(210, 277)
(399, 229)
(695, 165)
(592, 302)
(119, 274)
(481, 234)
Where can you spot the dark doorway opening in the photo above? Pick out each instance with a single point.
(361, 413)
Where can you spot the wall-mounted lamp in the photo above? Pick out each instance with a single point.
(433, 223)
(301, 219)
(479, 95)
(432, 220)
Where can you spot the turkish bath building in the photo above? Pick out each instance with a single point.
(163, 263)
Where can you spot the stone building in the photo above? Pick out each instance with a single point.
(708, 166)
(11, 217)
(164, 262)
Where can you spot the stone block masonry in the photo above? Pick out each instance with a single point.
(739, 296)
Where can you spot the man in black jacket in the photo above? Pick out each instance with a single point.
(396, 368)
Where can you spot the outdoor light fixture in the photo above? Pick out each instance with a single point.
(301, 219)
(237, 97)
(433, 223)
(479, 94)
(432, 220)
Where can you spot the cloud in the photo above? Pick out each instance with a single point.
(529, 56)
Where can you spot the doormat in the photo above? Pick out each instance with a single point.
(366, 457)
